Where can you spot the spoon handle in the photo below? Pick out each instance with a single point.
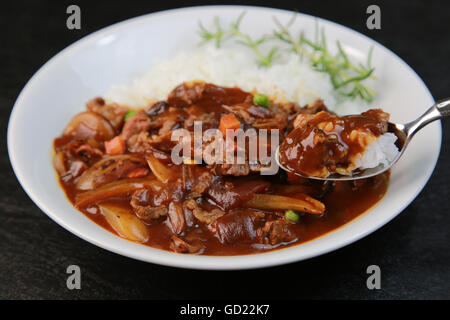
(438, 111)
(443, 107)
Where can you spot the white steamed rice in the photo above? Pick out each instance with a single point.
(381, 151)
(290, 78)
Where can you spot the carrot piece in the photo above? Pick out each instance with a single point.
(115, 146)
(138, 173)
(229, 121)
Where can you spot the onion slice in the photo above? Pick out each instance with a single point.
(274, 202)
(115, 189)
(124, 222)
(161, 172)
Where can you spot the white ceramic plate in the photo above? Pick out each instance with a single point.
(117, 54)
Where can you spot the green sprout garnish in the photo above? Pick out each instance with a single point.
(220, 34)
(345, 76)
(261, 100)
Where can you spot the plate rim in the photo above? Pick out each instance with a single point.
(201, 262)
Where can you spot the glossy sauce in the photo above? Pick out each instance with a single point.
(344, 201)
(325, 142)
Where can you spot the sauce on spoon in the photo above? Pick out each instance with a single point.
(323, 143)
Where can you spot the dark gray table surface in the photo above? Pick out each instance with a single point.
(412, 251)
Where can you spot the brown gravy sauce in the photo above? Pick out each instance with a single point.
(344, 201)
(325, 142)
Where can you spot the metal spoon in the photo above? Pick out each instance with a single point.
(404, 133)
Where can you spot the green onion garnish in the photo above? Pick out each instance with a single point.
(347, 76)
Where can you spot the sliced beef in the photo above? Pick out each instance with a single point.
(166, 128)
(207, 97)
(157, 108)
(233, 169)
(181, 246)
(202, 215)
(176, 221)
(228, 195)
(144, 207)
(186, 94)
(134, 125)
(314, 107)
(74, 158)
(139, 143)
(238, 226)
(143, 142)
(275, 232)
(196, 180)
(376, 114)
(277, 122)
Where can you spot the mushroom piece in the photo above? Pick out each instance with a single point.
(87, 125)
(109, 169)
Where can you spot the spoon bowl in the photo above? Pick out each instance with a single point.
(404, 133)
